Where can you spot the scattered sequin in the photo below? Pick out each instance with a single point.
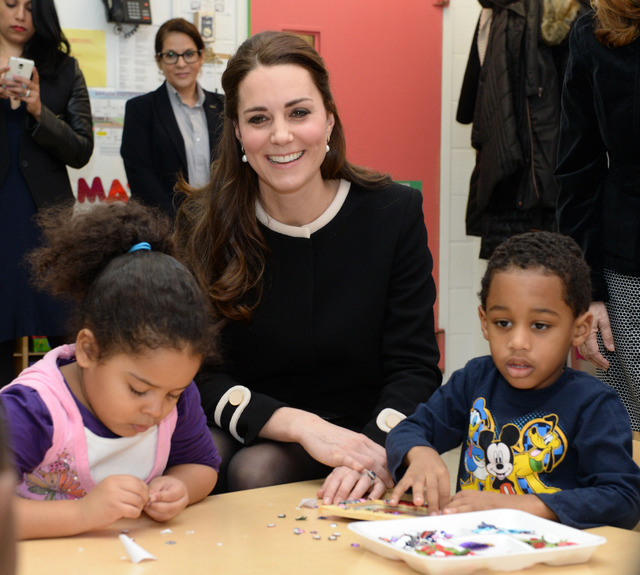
(271, 524)
(281, 515)
(170, 542)
(355, 545)
(301, 518)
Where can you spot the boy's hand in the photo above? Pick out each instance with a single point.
(115, 497)
(168, 497)
(426, 474)
(470, 500)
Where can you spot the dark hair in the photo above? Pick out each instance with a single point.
(48, 47)
(553, 254)
(229, 264)
(617, 21)
(177, 25)
(131, 301)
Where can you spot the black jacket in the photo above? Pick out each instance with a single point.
(513, 101)
(153, 149)
(599, 154)
(63, 137)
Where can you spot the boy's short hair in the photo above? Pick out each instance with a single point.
(554, 253)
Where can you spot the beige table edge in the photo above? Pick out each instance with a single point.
(232, 533)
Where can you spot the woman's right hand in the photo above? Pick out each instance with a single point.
(589, 349)
(327, 443)
(115, 497)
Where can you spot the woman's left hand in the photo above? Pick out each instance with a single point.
(344, 483)
(27, 91)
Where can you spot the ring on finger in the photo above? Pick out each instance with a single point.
(26, 94)
(371, 475)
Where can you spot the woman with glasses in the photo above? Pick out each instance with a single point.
(171, 132)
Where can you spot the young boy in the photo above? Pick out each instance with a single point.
(537, 436)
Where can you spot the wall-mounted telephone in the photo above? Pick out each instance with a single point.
(128, 11)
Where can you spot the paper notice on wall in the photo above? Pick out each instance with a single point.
(89, 48)
(104, 176)
(137, 70)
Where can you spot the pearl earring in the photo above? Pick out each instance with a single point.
(328, 148)
(244, 156)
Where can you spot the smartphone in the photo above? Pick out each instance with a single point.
(19, 67)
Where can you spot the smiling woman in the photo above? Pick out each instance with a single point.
(320, 271)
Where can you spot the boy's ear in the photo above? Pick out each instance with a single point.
(86, 348)
(582, 328)
(482, 314)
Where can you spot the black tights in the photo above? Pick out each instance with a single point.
(262, 464)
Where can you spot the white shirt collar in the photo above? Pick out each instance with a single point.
(308, 229)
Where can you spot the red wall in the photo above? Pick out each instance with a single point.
(385, 62)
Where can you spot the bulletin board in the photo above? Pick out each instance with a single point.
(119, 63)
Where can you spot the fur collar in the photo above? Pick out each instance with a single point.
(557, 18)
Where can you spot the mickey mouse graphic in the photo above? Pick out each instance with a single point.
(498, 456)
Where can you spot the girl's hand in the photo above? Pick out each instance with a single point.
(113, 498)
(168, 497)
(344, 483)
(426, 474)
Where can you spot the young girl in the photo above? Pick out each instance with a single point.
(112, 426)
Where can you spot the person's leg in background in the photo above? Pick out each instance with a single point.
(7, 363)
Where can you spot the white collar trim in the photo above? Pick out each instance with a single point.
(308, 229)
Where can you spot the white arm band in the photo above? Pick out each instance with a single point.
(238, 396)
(388, 418)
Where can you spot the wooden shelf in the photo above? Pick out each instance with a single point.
(22, 355)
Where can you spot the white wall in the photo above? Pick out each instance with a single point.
(460, 267)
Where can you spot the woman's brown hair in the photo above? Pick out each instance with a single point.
(216, 226)
(177, 25)
(617, 21)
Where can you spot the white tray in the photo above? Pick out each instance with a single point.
(507, 553)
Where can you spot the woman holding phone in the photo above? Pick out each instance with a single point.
(45, 125)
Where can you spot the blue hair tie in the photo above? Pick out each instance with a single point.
(140, 246)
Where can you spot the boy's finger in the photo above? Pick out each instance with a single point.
(433, 496)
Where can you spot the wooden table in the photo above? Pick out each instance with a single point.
(231, 534)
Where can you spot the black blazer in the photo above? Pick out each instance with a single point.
(345, 327)
(598, 168)
(153, 149)
(63, 137)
